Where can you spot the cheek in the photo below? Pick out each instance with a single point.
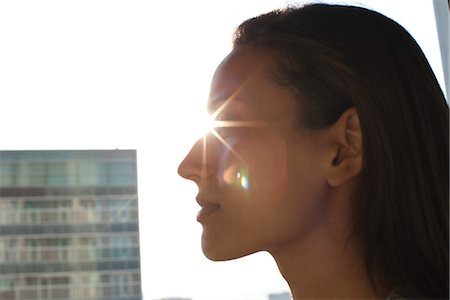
(268, 194)
(268, 172)
(256, 165)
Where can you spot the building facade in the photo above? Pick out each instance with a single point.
(69, 225)
(280, 296)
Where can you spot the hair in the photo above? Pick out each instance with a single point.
(335, 57)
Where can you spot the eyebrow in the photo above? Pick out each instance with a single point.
(218, 104)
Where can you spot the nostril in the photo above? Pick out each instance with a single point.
(190, 174)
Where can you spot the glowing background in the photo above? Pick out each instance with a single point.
(91, 74)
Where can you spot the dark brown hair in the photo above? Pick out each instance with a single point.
(335, 57)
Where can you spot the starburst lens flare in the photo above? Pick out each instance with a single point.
(236, 175)
(206, 124)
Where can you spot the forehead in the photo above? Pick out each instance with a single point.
(243, 82)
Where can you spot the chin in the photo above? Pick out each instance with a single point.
(218, 253)
(215, 257)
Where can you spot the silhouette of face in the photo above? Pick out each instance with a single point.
(260, 176)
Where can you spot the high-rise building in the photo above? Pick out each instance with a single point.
(69, 225)
(174, 298)
(280, 296)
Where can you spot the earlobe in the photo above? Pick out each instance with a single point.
(347, 150)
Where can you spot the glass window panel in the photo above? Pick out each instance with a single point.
(57, 168)
(57, 180)
(29, 294)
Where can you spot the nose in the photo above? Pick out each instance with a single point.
(193, 164)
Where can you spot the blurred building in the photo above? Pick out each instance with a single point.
(280, 296)
(69, 225)
(174, 298)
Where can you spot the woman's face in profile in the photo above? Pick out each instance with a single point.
(260, 177)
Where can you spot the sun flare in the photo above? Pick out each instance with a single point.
(212, 126)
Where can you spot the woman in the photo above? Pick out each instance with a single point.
(331, 153)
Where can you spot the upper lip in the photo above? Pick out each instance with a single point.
(204, 201)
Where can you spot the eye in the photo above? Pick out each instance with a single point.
(226, 131)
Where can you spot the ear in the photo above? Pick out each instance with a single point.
(347, 151)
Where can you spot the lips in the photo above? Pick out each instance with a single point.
(207, 209)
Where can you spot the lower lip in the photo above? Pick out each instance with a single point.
(206, 211)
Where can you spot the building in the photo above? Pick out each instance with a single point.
(174, 299)
(69, 225)
(280, 296)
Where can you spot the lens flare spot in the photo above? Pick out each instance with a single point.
(229, 176)
(237, 176)
(244, 182)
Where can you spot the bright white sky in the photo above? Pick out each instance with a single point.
(88, 74)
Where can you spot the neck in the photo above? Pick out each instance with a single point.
(327, 263)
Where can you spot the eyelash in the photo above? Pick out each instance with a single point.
(222, 130)
(230, 132)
